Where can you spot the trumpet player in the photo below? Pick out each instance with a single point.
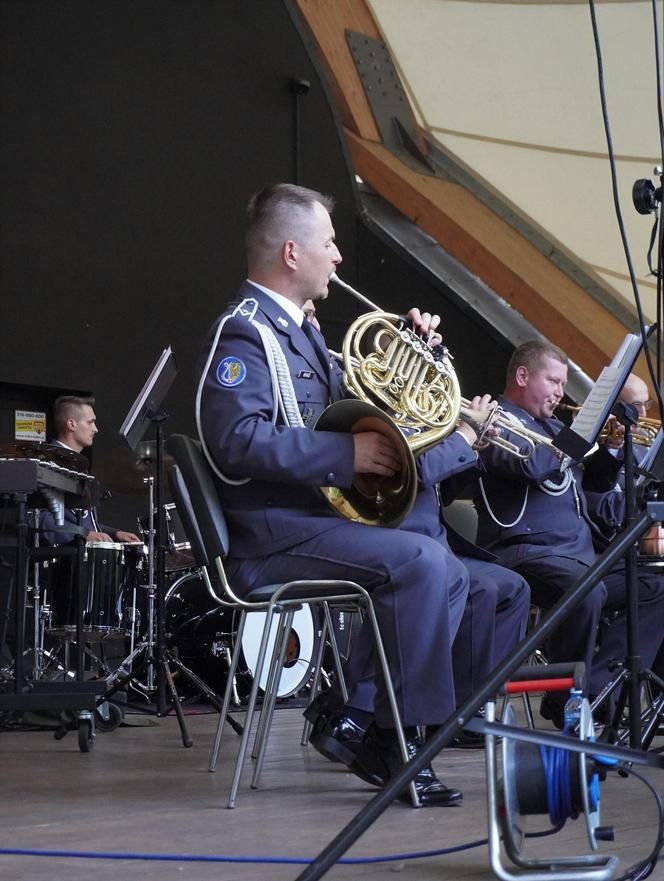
(535, 518)
(269, 464)
(607, 512)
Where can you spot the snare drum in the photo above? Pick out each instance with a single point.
(103, 574)
(204, 634)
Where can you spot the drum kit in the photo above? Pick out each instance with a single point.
(119, 615)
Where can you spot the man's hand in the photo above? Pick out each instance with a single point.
(615, 434)
(375, 454)
(128, 537)
(480, 404)
(98, 536)
(425, 324)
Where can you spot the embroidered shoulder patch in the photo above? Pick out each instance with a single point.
(231, 372)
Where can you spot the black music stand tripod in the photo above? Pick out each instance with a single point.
(631, 676)
(145, 412)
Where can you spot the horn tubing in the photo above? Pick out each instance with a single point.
(529, 437)
(342, 284)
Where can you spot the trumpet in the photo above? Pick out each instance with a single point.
(388, 367)
(643, 433)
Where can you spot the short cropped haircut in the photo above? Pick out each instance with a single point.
(530, 355)
(68, 407)
(275, 215)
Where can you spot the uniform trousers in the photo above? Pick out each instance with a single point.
(551, 577)
(418, 590)
(493, 623)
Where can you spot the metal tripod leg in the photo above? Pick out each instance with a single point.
(175, 700)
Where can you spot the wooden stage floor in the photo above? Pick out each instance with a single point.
(139, 790)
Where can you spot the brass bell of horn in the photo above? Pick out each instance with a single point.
(372, 499)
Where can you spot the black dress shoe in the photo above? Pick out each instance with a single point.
(553, 710)
(324, 704)
(378, 760)
(467, 740)
(337, 737)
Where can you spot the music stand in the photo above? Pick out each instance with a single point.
(147, 407)
(144, 412)
(577, 441)
(579, 438)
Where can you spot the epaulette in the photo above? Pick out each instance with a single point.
(247, 309)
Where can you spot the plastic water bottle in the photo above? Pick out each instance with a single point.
(572, 711)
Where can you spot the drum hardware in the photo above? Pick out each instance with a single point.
(407, 390)
(144, 649)
(204, 635)
(144, 654)
(178, 549)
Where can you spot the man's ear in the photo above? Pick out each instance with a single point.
(521, 376)
(71, 424)
(290, 254)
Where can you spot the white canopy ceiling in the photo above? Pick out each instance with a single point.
(511, 89)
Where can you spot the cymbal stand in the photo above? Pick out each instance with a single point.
(148, 642)
(40, 610)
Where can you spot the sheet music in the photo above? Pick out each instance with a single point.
(596, 409)
(591, 417)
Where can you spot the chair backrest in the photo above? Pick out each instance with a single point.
(204, 500)
(182, 499)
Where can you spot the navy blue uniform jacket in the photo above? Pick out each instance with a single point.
(548, 522)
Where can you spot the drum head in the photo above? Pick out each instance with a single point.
(300, 655)
(204, 634)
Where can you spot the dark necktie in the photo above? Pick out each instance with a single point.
(309, 332)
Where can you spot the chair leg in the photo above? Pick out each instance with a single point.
(270, 699)
(283, 626)
(244, 742)
(228, 691)
(382, 657)
(335, 652)
(315, 682)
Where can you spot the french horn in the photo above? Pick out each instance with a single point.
(409, 391)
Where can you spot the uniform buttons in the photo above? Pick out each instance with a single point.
(330, 477)
(462, 458)
(308, 394)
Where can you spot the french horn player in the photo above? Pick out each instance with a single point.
(265, 378)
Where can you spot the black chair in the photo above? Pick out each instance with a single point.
(278, 601)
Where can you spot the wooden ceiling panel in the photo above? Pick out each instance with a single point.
(457, 219)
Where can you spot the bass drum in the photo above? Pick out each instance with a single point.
(204, 635)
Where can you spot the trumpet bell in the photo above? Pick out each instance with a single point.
(372, 499)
